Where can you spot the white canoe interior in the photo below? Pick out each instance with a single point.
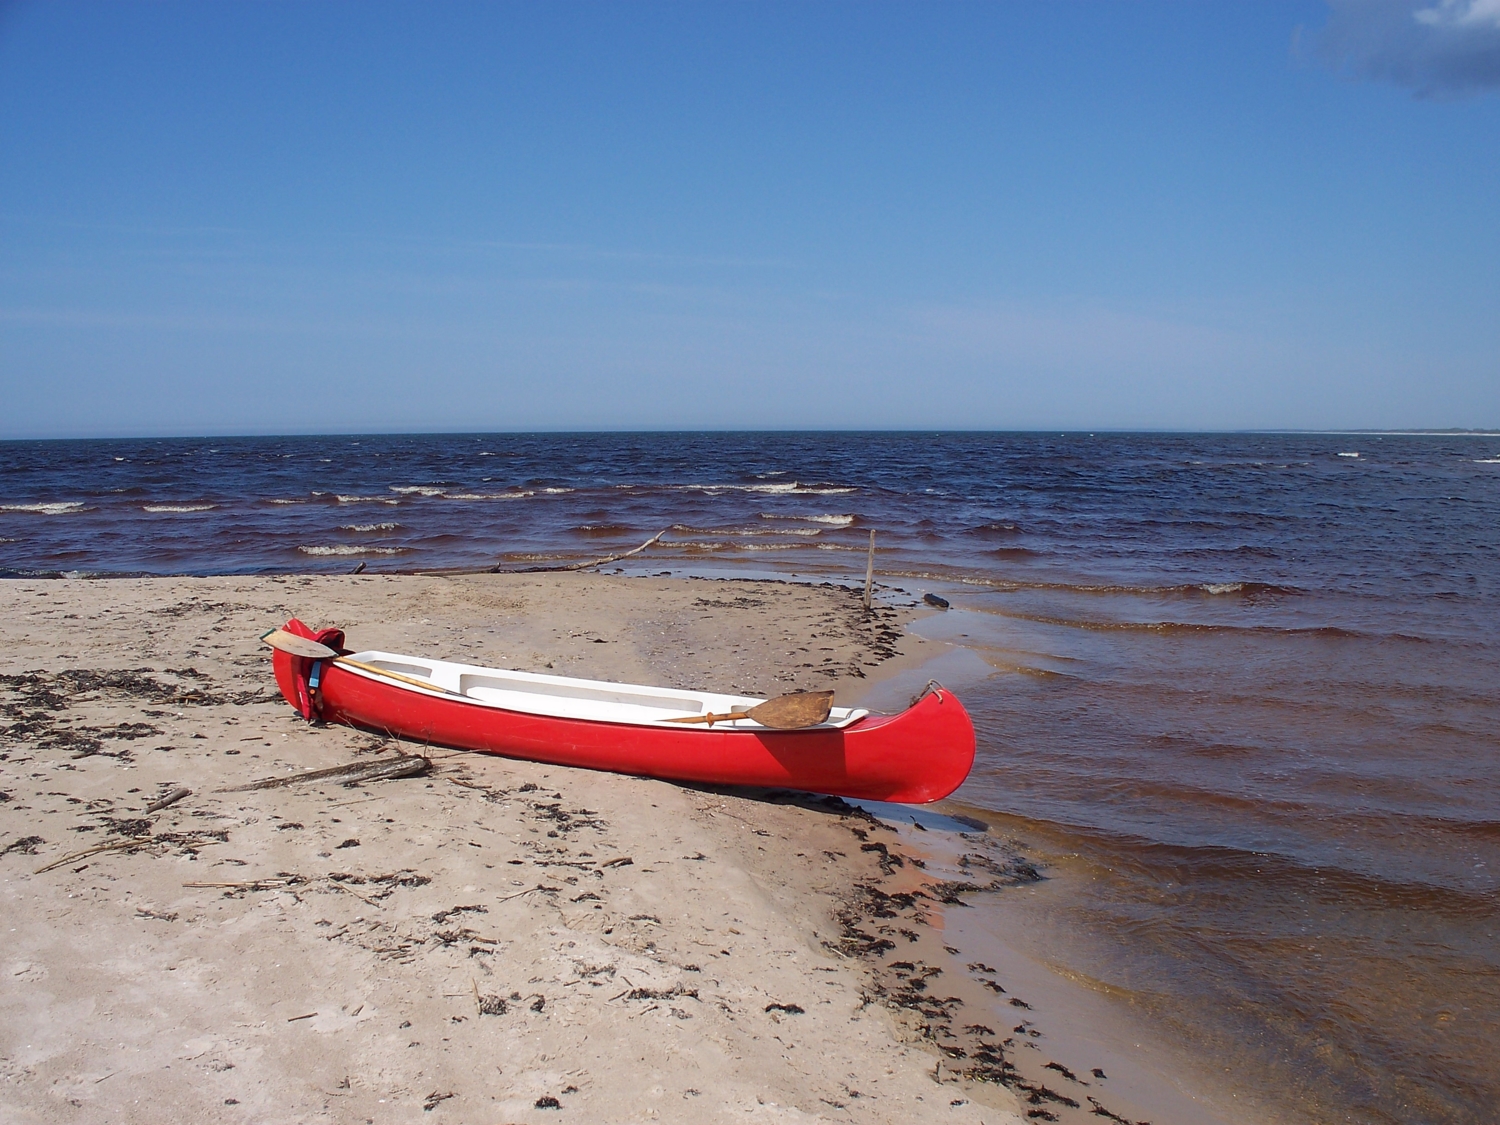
(563, 697)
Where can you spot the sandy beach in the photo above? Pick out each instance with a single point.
(492, 940)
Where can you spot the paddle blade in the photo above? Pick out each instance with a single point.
(794, 711)
(298, 646)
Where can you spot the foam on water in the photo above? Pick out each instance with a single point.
(522, 495)
(178, 507)
(802, 532)
(345, 549)
(790, 488)
(58, 509)
(831, 520)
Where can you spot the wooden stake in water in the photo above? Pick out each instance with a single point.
(870, 571)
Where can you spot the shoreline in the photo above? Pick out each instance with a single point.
(589, 925)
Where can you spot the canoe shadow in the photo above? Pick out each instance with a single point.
(922, 817)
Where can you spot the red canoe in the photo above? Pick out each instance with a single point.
(919, 755)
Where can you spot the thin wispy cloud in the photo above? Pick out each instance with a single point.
(1434, 47)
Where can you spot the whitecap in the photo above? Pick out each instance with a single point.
(418, 490)
(1348, 454)
(346, 550)
(178, 507)
(788, 488)
(488, 495)
(61, 509)
(1487, 461)
(365, 499)
(558, 491)
(805, 531)
(1222, 587)
(369, 527)
(832, 520)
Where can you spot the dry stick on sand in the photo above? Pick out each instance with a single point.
(518, 894)
(133, 842)
(383, 770)
(169, 800)
(197, 839)
(356, 894)
(591, 562)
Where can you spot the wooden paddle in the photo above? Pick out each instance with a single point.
(312, 650)
(795, 711)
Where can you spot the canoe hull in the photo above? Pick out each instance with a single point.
(919, 755)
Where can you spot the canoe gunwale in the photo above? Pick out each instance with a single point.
(706, 701)
(920, 754)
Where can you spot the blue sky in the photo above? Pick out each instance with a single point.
(286, 217)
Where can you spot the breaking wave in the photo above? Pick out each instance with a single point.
(61, 509)
(731, 531)
(831, 520)
(787, 488)
(178, 507)
(693, 546)
(347, 550)
(486, 495)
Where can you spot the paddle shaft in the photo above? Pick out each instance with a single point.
(412, 680)
(711, 719)
(310, 649)
(797, 711)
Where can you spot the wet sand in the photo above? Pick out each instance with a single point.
(492, 940)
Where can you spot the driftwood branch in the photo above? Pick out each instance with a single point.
(133, 842)
(594, 562)
(386, 768)
(196, 839)
(169, 800)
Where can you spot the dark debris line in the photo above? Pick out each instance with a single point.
(874, 921)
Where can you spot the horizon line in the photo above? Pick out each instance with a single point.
(1064, 431)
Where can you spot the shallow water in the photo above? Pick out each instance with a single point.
(1243, 687)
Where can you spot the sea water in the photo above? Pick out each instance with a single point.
(1239, 692)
